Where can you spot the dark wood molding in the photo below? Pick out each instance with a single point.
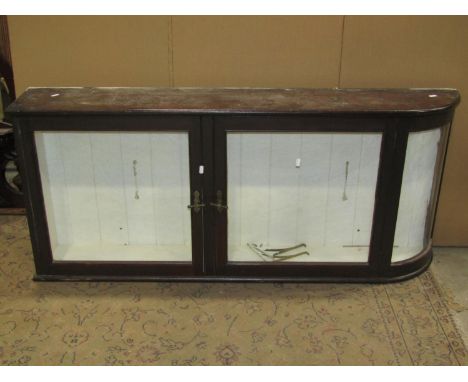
(238, 101)
(207, 147)
(35, 206)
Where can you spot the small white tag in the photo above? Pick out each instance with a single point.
(201, 169)
(55, 95)
(298, 162)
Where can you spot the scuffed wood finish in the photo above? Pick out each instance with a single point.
(233, 101)
(209, 116)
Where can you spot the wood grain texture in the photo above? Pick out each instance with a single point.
(233, 100)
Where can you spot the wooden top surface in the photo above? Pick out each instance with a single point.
(232, 100)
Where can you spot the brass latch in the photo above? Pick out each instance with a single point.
(219, 202)
(196, 206)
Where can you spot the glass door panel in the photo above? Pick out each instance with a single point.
(424, 156)
(301, 197)
(116, 196)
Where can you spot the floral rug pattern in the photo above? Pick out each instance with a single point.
(111, 323)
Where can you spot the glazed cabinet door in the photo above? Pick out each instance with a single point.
(120, 196)
(424, 157)
(294, 196)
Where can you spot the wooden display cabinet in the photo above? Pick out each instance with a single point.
(232, 184)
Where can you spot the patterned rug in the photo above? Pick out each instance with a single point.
(112, 323)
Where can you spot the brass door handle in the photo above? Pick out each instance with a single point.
(219, 202)
(220, 207)
(196, 206)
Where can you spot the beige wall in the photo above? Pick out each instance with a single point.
(317, 51)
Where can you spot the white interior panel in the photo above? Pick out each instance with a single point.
(284, 189)
(254, 188)
(342, 188)
(116, 196)
(78, 160)
(234, 194)
(287, 189)
(52, 168)
(136, 156)
(416, 190)
(367, 175)
(170, 201)
(313, 184)
(110, 193)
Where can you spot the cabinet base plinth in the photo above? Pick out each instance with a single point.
(406, 271)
